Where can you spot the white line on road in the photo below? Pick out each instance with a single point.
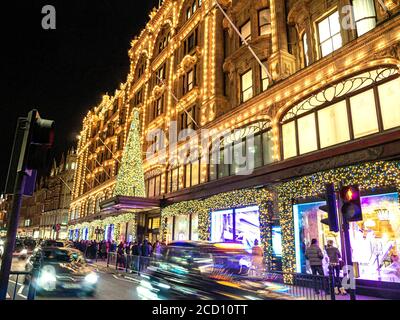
(122, 279)
(133, 279)
(21, 289)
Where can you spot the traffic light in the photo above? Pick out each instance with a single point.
(351, 203)
(41, 141)
(330, 208)
(33, 140)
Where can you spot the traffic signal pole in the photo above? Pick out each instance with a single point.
(13, 217)
(12, 226)
(347, 244)
(32, 138)
(348, 251)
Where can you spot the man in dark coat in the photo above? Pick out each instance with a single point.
(314, 255)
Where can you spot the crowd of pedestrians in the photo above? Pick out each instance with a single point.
(93, 249)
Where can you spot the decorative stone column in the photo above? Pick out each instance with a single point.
(281, 63)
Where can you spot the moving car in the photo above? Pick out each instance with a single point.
(52, 243)
(21, 250)
(202, 270)
(62, 270)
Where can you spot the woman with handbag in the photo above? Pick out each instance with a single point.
(335, 266)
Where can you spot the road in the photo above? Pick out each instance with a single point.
(110, 287)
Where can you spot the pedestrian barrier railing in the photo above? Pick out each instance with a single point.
(301, 285)
(16, 284)
(129, 263)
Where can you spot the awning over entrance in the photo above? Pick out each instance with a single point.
(122, 203)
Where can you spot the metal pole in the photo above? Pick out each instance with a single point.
(349, 260)
(12, 227)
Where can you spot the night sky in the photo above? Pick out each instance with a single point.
(63, 72)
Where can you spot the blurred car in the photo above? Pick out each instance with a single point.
(202, 270)
(23, 248)
(52, 243)
(62, 270)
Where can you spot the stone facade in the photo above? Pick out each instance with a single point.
(190, 60)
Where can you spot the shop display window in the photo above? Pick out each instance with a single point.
(375, 240)
(182, 227)
(238, 225)
(277, 241)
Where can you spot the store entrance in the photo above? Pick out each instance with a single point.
(148, 226)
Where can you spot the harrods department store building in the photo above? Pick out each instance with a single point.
(330, 113)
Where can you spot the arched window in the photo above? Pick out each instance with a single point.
(241, 151)
(163, 39)
(192, 7)
(363, 105)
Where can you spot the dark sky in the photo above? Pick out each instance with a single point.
(63, 72)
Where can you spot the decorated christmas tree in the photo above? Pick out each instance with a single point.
(130, 179)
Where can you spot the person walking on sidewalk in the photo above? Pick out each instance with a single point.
(121, 255)
(103, 250)
(314, 255)
(157, 250)
(334, 258)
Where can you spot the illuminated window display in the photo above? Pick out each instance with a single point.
(181, 227)
(238, 225)
(277, 241)
(85, 234)
(109, 234)
(375, 240)
(222, 226)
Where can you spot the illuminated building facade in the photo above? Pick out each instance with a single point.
(99, 154)
(330, 113)
(44, 215)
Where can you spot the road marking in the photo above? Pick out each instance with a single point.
(21, 289)
(122, 279)
(133, 279)
(8, 296)
(22, 296)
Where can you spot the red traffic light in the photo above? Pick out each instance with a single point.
(351, 203)
(350, 193)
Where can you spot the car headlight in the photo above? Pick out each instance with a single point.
(47, 280)
(24, 251)
(91, 278)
